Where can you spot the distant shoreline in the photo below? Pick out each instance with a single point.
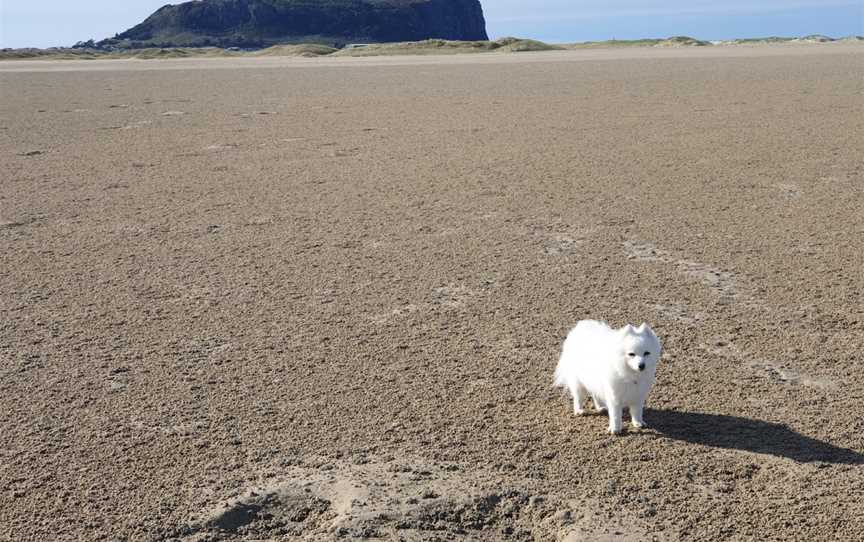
(427, 47)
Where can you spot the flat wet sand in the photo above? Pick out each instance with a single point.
(323, 298)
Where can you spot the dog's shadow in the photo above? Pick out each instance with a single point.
(749, 435)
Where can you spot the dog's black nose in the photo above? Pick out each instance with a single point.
(641, 366)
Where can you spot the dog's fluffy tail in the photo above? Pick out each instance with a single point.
(586, 331)
(559, 381)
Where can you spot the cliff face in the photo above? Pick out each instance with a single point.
(250, 23)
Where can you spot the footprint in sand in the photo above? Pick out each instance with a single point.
(643, 252)
(342, 153)
(394, 314)
(765, 368)
(220, 148)
(452, 296)
(562, 245)
(788, 190)
(329, 149)
(449, 297)
(725, 283)
(679, 313)
(263, 220)
(137, 124)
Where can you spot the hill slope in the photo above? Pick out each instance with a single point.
(258, 23)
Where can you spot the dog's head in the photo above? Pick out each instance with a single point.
(641, 347)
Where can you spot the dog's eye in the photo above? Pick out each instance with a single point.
(632, 355)
(647, 353)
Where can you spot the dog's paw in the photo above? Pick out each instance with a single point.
(639, 425)
(579, 412)
(613, 431)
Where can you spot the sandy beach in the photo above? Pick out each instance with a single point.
(321, 299)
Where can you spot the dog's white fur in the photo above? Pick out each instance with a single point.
(604, 363)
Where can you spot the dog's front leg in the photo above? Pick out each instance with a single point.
(636, 415)
(615, 415)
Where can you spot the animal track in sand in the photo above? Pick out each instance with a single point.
(261, 220)
(765, 368)
(330, 150)
(562, 245)
(555, 239)
(252, 115)
(725, 283)
(644, 252)
(789, 190)
(399, 312)
(220, 148)
(449, 297)
(678, 312)
(452, 295)
(137, 124)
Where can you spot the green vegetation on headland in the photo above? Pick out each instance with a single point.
(85, 51)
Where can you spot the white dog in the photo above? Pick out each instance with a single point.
(615, 367)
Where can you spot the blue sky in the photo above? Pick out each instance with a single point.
(46, 23)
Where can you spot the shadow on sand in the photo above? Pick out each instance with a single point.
(749, 435)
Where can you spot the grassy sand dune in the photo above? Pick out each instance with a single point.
(305, 50)
(437, 47)
(675, 41)
(426, 47)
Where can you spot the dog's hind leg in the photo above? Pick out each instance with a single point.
(579, 393)
(599, 405)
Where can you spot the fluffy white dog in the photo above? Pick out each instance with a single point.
(615, 367)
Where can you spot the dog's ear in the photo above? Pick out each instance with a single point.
(643, 328)
(627, 329)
